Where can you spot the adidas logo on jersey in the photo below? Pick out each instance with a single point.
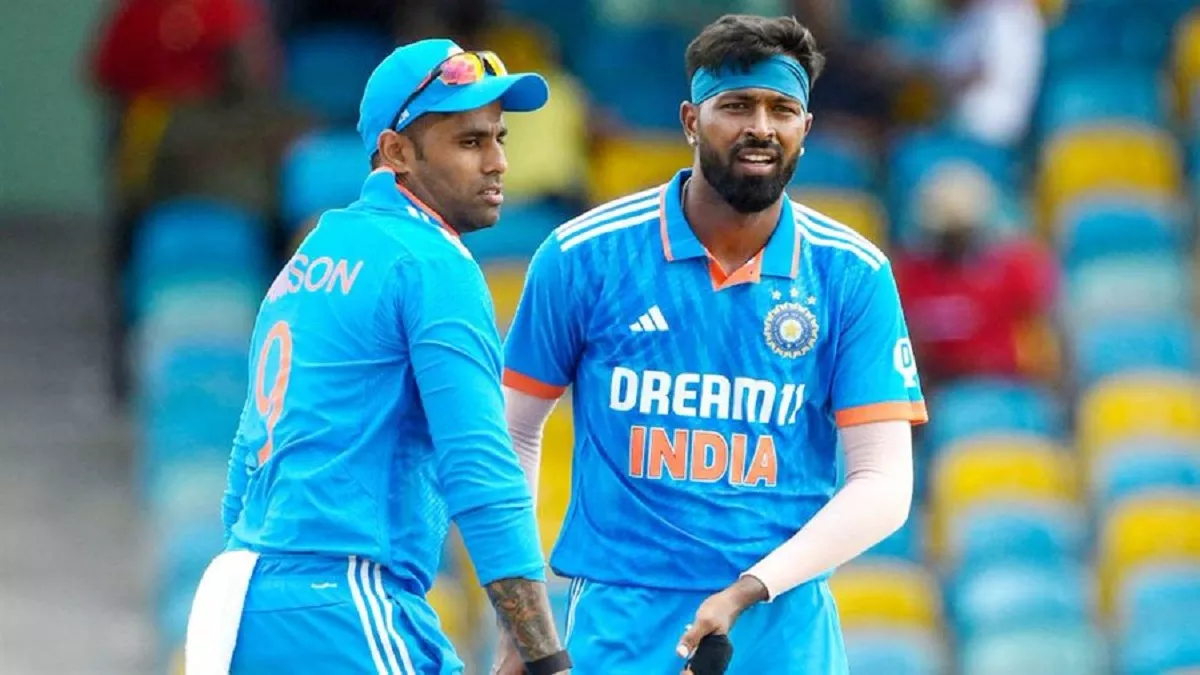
(650, 322)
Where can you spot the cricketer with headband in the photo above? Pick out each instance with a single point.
(721, 341)
(375, 415)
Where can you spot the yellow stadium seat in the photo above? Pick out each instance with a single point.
(621, 165)
(996, 468)
(873, 595)
(177, 663)
(1187, 63)
(505, 283)
(858, 210)
(1163, 405)
(554, 487)
(1081, 161)
(1149, 529)
(1001, 467)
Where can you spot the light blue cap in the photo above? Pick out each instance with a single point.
(399, 75)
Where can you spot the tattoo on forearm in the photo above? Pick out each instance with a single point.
(524, 611)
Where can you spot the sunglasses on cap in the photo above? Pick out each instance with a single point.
(457, 70)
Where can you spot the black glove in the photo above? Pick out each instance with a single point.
(712, 656)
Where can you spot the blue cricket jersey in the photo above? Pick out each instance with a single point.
(706, 407)
(375, 413)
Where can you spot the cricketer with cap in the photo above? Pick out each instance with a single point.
(375, 415)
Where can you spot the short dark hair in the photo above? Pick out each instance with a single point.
(742, 40)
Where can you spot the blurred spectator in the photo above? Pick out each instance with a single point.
(990, 67)
(857, 88)
(971, 300)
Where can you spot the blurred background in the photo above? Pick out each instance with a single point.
(1029, 165)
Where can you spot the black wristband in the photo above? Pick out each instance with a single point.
(549, 665)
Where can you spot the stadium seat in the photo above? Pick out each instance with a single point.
(1153, 529)
(1124, 407)
(1096, 228)
(187, 238)
(326, 69)
(1126, 287)
(1125, 344)
(986, 468)
(627, 164)
(554, 489)
(1078, 162)
(1091, 31)
(1033, 531)
(1187, 64)
(1109, 93)
(906, 543)
(446, 598)
(1144, 465)
(874, 594)
(1067, 651)
(895, 652)
(833, 162)
(1174, 650)
(858, 210)
(213, 314)
(613, 70)
(186, 489)
(322, 170)
(1006, 597)
(977, 406)
(523, 226)
(1158, 597)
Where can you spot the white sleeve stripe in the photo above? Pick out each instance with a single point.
(839, 244)
(576, 226)
(827, 226)
(571, 242)
(610, 205)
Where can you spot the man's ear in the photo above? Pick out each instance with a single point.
(396, 152)
(688, 120)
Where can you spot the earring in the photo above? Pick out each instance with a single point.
(801, 152)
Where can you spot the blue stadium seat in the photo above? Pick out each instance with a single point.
(1144, 465)
(916, 155)
(326, 69)
(905, 543)
(1156, 649)
(1043, 533)
(182, 555)
(523, 226)
(323, 170)
(1005, 597)
(1111, 92)
(834, 162)
(614, 70)
(1122, 344)
(219, 314)
(1112, 30)
(1065, 651)
(992, 406)
(1159, 596)
(1128, 287)
(1097, 228)
(895, 651)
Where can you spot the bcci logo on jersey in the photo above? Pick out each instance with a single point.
(790, 330)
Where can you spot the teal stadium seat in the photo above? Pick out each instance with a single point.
(1126, 287)
(326, 69)
(1159, 596)
(615, 69)
(1048, 533)
(1066, 651)
(1155, 649)
(1118, 345)
(1110, 92)
(323, 170)
(895, 651)
(834, 162)
(522, 227)
(1005, 597)
(1144, 465)
(992, 406)
(1102, 227)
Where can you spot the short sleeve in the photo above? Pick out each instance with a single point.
(545, 338)
(875, 374)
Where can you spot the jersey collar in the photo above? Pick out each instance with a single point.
(780, 257)
(380, 190)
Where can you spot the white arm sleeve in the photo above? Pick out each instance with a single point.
(872, 504)
(526, 416)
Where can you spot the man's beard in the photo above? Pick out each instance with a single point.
(746, 194)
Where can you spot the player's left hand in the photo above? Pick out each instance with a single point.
(718, 612)
(507, 660)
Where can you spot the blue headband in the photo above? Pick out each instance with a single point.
(783, 74)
